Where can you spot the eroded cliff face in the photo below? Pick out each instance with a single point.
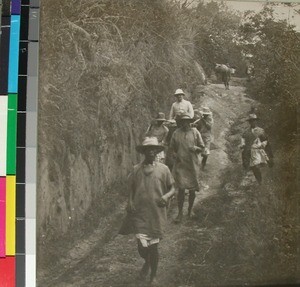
(106, 68)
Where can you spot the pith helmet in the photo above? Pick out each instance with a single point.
(179, 92)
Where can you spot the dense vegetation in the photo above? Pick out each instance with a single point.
(275, 46)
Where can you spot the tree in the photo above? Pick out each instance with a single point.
(275, 49)
(217, 31)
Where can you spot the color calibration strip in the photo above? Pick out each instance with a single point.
(18, 146)
(4, 53)
(7, 202)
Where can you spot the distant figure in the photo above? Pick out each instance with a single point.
(232, 71)
(204, 126)
(250, 72)
(160, 131)
(253, 110)
(253, 144)
(169, 160)
(151, 185)
(181, 106)
(225, 73)
(186, 143)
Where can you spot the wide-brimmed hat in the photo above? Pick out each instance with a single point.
(160, 117)
(149, 143)
(252, 117)
(206, 111)
(179, 92)
(183, 117)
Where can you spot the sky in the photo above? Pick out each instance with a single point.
(281, 11)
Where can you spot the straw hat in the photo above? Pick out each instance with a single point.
(161, 117)
(179, 92)
(206, 111)
(184, 117)
(149, 143)
(252, 117)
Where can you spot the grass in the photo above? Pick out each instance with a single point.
(245, 234)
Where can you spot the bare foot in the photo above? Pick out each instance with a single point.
(178, 219)
(191, 215)
(144, 272)
(153, 282)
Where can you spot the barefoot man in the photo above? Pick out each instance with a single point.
(151, 185)
(187, 144)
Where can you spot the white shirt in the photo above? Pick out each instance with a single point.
(256, 131)
(181, 107)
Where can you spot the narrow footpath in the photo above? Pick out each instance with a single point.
(114, 261)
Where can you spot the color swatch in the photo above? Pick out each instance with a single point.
(18, 141)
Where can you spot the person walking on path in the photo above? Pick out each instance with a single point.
(181, 106)
(253, 145)
(151, 184)
(160, 131)
(186, 144)
(204, 126)
(225, 74)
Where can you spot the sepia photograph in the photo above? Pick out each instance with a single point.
(168, 144)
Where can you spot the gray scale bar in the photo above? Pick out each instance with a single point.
(30, 167)
(30, 231)
(31, 129)
(34, 3)
(33, 56)
(31, 142)
(20, 271)
(32, 93)
(30, 200)
(30, 276)
(34, 18)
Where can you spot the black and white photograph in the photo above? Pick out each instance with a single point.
(168, 143)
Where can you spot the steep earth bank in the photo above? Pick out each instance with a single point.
(99, 88)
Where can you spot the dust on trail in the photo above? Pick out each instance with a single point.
(114, 261)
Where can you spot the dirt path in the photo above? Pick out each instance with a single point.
(114, 261)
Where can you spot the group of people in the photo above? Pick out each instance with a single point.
(192, 137)
(152, 184)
